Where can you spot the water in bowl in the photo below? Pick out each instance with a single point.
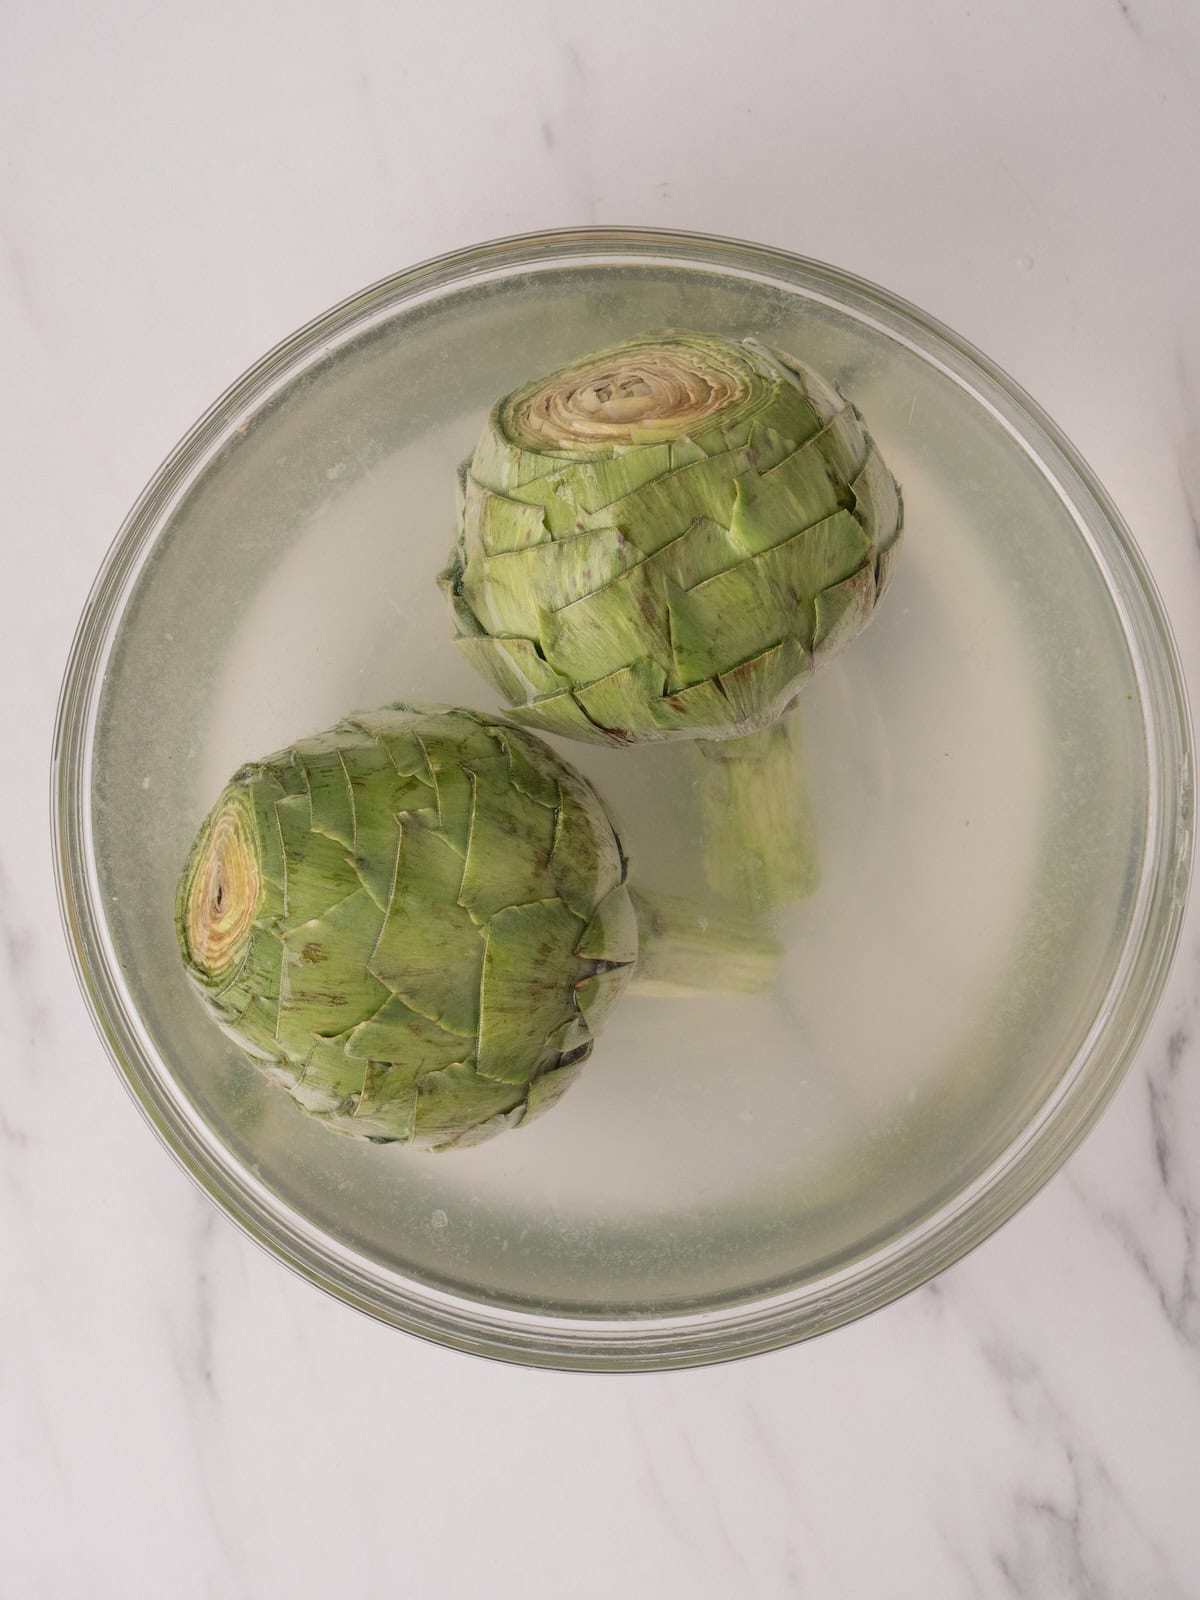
(973, 762)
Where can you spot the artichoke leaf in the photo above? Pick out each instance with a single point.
(314, 864)
(877, 502)
(532, 770)
(601, 633)
(430, 953)
(572, 1038)
(842, 611)
(728, 618)
(462, 474)
(388, 1101)
(883, 571)
(527, 990)
(481, 1132)
(547, 1090)
(282, 768)
(575, 491)
(508, 593)
(257, 973)
(493, 524)
(381, 796)
(743, 612)
(587, 859)
(262, 796)
(610, 939)
(330, 1080)
(330, 799)
(844, 443)
(467, 735)
(466, 624)
(685, 450)
(760, 690)
(597, 994)
(504, 467)
(254, 1031)
(701, 551)
(818, 391)
(687, 713)
(825, 554)
(454, 792)
(662, 509)
(392, 727)
(805, 487)
(618, 624)
(619, 701)
(772, 506)
(563, 714)
(325, 987)
(399, 1035)
(510, 845)
(515, 667)
(458, 1095)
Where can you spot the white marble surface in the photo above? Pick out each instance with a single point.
(178, 189)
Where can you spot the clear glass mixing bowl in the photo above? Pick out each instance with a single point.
(1000, 769)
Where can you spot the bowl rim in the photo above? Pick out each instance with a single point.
(878, 1277)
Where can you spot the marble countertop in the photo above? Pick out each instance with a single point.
(179, 188)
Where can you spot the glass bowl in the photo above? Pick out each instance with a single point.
(1000, 772)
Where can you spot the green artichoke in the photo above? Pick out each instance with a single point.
(661, 541)
(417, 921)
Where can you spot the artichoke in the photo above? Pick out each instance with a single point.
(661, 541)
(417, 921)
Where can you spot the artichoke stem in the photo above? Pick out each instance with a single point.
(760, 847)
(688, 950)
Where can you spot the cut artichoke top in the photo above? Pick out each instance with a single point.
(644, 393)
(415, 921)
(661, 540)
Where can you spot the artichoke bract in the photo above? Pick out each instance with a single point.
(417, 921)
(661, 541)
